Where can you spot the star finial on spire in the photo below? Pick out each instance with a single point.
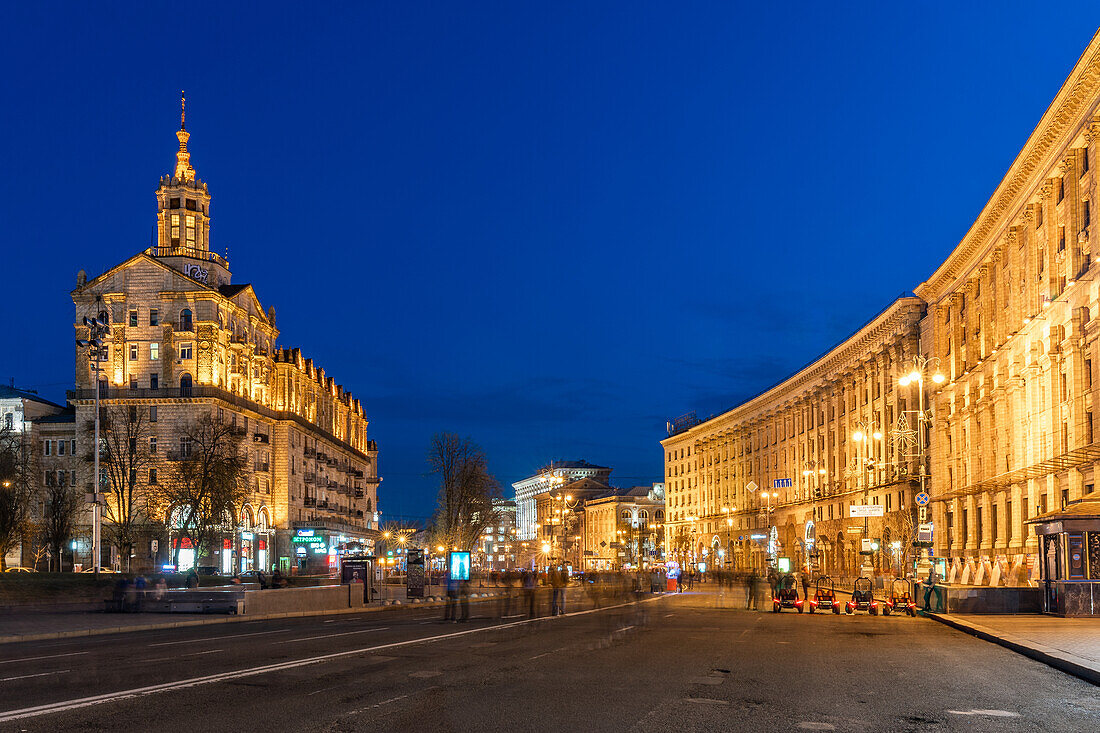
(183, 111)
(184, 171)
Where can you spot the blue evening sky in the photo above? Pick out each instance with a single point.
(548, 226)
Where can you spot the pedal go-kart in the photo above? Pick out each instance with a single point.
(824, 596)
(786, 596)
(863, 598)
(900, 600)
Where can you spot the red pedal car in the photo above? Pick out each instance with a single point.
(863, 598)
(824, 596)
(900, 600)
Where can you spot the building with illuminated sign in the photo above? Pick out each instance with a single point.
(187, 341)
(552, 477)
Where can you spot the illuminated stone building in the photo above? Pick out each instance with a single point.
(187, 341)
(529, 490)
(791, 458)
(624, 528)
(1012, 321)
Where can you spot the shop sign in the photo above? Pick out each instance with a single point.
(305, 533)
(308, 540)
(263, 544)
(301, 551)
(227, 544)
(246, 535)
(866, 510)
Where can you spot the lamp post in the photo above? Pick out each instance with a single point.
(561, 506)
(921, 366)
(97, 331)
(866, 432)
(771, 550)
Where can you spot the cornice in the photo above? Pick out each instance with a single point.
(1068, 113)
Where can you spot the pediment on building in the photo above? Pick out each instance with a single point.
(119, 277)
(245, 297)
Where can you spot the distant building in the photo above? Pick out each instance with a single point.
(498, 545)
(624, 528)
(557, 474)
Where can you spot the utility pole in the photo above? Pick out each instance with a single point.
(97, 331)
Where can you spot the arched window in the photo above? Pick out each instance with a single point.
(643, 514)
(186, 323)
(248, 520)
(660, 514)
(185, 385)
(262, 522)
(369, 505)
(626, 514)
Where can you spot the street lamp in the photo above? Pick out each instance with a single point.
(921, 366)
(97, 331)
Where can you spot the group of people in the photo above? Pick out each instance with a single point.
(130, 593)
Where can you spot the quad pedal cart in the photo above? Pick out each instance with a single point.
(786, 595)
(900, 600)
(863, 598)
(824, 596)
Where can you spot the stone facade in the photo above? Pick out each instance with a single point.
(553, 476)
(1011, 321)
(794, 444)
(625, 528)
(185, 341)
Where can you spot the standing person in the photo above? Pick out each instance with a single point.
(464, 594)
(931, 586)
(751, 592)
(805, 585)
(529, 584)
(451, 612)
(557, 593)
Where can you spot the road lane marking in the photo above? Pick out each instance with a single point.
(48, 656)
(183, 656)
(706, 701)
(28, 676)
(812, 725)
(332, 636)
(219, 638)
(991, 713)
(85, 702)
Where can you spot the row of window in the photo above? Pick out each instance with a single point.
(59, 447)
(186, 318)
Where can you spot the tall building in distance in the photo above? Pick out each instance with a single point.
(551, 477)
(186, 341)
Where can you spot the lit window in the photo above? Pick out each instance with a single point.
(190, 229)
(154, 351)
(175, 228)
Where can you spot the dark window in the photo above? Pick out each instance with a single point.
(153, 444)
(154, 381)
(191, 204)
(133, 318)
(1061, 190)
(1008, 521)
(186, 323)
(1061, 239)
(978, 528)
(154, 317)
(185, 385)
(1085, 161)
(173, 203)
(993, 516)
(152, 476)
(152, 413)
(185, 447)
(1065, 498)
(1087, 212)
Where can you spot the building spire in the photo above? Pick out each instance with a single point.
(184, 171)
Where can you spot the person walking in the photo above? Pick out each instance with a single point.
(751, 592)
(451, 612)
(557, 597)
(931, 585)
(529, 585)
(805, 585)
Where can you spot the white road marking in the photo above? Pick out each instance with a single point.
(332, 636)
(991, 713)
(811, 725)
(48, 656)
(706, 701)
(28, 676)
(84, 702)
(669, 615)
(183, 656)
(218, 638)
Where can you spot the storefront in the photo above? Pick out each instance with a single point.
(316, 550)
(1069, 567)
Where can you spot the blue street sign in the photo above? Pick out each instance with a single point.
(923, 498)
(781, 483)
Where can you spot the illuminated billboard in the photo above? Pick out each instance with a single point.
(458, 565)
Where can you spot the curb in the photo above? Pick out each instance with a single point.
(381, 606)
(1063, 661)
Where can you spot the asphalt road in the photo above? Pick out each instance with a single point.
(684, 662)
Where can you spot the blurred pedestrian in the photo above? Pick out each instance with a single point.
(464, 597)
(931, 585)
(529, 586)
(751, 593)
(451, 611)
(805, 584)
(139, 592)
(558, 580)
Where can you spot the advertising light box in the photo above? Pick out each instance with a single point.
(458, 565)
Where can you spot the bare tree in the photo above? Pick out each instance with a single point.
(124, 460)
(63, 504)
(466, 491)
(17, 471)
(208, 483)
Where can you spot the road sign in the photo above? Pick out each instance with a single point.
(751, 486)
(153, 545)
(867, 510)
(781, 483)
(924, 532)
(855, 530)
(923, 498)
(922, 514)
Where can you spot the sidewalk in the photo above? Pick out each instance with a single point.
(1069, 644)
